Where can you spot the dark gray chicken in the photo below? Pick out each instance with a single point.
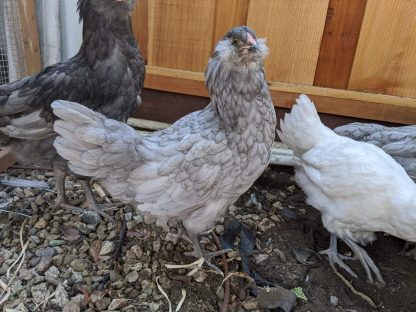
(398, 142)
(193, 170)
(106, 75)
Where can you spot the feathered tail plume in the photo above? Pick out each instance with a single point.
(95, 146)
(302, 128)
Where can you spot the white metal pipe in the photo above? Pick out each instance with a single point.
(71, 29)
(47, 12)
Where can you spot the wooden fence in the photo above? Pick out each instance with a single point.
(354, 57)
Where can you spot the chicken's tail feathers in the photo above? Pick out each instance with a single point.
(94, 145)
(302, 129)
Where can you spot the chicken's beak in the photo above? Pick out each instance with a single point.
(251, 43)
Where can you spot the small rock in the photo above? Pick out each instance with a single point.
(117, 304)
(97, 295)
(79, 265)
(56, 242)
(132, 276)
(44, 264)
(280, 254)
(154, 306)
(90, 218)
(220, 293)
(68, 258)
(35, 239)
(38, 292)
(77, 277)
(276, 297)
(71, 306)
(16, 286)
(199, 276)
(40, 224)
(333, 301)
(58, 260)
(61, 296)
(95, 250)
(156, 245)
(78, 299)
(45, 252)
(266, 224)
(28, 193)
(138, 251)
(259, 258)
(52, 272)
(278, 205)
(107, 248)
(250, 304)
(25, 274)
(165, 282)
(102, 304)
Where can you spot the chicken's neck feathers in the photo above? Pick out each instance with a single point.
(239, 96)
(100, 38)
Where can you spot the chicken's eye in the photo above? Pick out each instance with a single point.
(235, 41)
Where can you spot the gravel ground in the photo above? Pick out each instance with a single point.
(68, 256)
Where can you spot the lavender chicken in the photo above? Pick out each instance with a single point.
(193, 170)
(106, 75)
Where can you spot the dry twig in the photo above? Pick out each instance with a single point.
(226, 301)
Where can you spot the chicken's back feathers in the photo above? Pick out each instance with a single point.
(399, 142)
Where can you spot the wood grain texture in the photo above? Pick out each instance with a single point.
(385, 60)
(339, 43)
(228, 14)
(139, 18)
(332, 101)
(30, 36)
(6, 158)
(180, 33)
(293, 30)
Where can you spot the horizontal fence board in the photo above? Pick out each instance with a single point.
(332, 101)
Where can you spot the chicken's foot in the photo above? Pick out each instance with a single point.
(366, 261)
(198, 253)
(335, 258)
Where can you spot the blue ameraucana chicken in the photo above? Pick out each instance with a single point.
(196, 168)
(106, 75)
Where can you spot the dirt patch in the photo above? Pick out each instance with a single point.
(274, 208)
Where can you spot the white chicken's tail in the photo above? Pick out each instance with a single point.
(95, 146)
(302, 128)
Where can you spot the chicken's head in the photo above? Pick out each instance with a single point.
(109, 9)
(240, 47)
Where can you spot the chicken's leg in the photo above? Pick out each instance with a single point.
(366, 261)
(89, 196)
(194, 235)
(198, 253)
(60, 186)
(61, 199)
(335, 257)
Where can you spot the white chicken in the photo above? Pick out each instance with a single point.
(358, 188)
